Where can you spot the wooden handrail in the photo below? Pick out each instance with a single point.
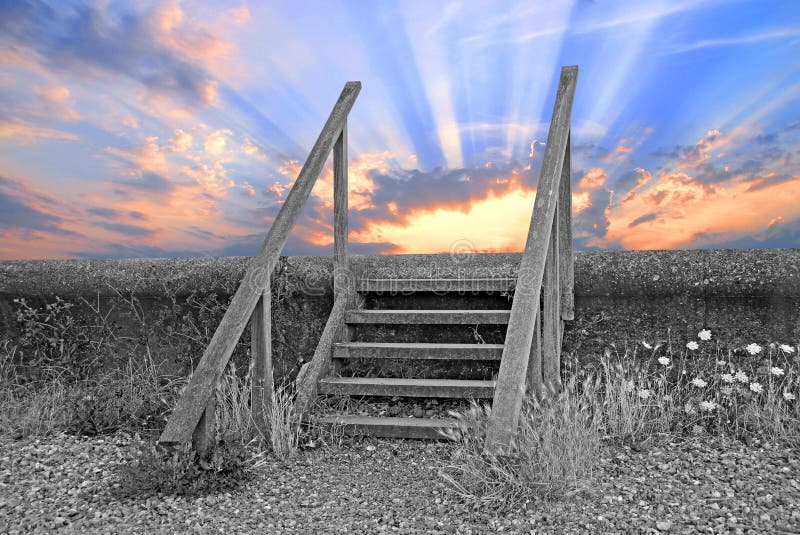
(198, 394)
(524, 317)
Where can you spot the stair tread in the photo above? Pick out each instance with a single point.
(389, 420)
(392, 381)
(419, 345)
(431, 284)
(428, 316)
(393, 427)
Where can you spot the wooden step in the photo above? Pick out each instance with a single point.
(427, 388)
(429, 317)
(414, 350)
(421, 428)
(436, 285)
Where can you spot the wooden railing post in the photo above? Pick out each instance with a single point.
(261, 382)
(566, 264)
(204, 435)
(341, 262)
(514, 366)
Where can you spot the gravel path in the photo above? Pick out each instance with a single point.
(707, 485)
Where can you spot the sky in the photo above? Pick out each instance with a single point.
(163, 129)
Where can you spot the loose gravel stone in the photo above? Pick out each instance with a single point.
(706, 485)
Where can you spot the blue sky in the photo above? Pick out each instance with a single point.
(176, 128)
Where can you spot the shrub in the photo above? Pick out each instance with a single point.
(155, 469)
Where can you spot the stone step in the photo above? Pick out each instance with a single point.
(416, 350)
(420, 428)
(429, 317)
(436, 285)
(427, 388)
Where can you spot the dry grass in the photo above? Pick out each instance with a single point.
(551, 456)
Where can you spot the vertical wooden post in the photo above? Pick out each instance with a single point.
(204, 435)
(261, 382)
(566, 264)
(343, 281)
(341, 264)
(551, 315)
(535, 384)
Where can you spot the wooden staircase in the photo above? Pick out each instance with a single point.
(524, 357)
(417, 354)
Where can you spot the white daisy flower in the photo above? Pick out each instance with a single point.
(708, 406)
(753, 349)
(644, 393)
(645, 344)
(776, 371)
(788, 396)
(699, 383)
(741, 377)
(726, 377)
(692, 345)
(726, 390)
(704, 335)
(756, 387)
(786, 348)
(663, 361)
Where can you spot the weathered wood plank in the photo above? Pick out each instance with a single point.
(436, 285)
(513, 368)
(204, 435)
(391, 427)
(262, 385)
(416, 350)
(307, 383)
(551, 314)
(566, 262)
(382, 386)
(191, 404)
(342, 277)
(535, 378)
(429, 317)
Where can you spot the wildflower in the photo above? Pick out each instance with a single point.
(721, 363)
(644, 393)
(726, 377)
(666, 397)
(628, 386)
(663, 361)
(708, 406)
(692, 345)
(753, 349)
(741, 376)
(646, 345)
(726, 390)
(786, 348)
(756, 387)
(699, 383)
(704, 335)
(788, 396)
(688, 409)
(776, 371)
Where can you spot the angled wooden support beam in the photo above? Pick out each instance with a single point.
(510, 388)
(198, 392)
(551, 313)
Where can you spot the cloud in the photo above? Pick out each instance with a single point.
(182, 141)
(148, 157)
(215, 142)
(22, 132)
(783, 33)
(57, 101)
(593, 178)
(642, 219)
(147, 47)
(240, 15)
